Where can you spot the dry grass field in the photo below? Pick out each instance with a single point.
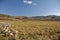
(36, 30)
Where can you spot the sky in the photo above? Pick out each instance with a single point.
(30, 7)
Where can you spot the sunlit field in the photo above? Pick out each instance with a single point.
(36, 30)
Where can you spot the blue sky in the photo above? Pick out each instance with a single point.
(30, 7)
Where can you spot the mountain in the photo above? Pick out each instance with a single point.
(49, 17)
(43, 18)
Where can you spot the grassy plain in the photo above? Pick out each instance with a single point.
(37, 30)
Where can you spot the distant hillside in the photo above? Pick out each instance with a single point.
(43, 18)
(6, 17)
(49, 17)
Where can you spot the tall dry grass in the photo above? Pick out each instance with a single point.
(36, 30)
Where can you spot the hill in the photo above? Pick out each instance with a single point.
(49, 18)
(42, 18)
(6, 17)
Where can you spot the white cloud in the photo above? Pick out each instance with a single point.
(27, 2)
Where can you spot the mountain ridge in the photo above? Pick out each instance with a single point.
(43, 18)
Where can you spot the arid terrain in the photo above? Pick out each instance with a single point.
(31, 29)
